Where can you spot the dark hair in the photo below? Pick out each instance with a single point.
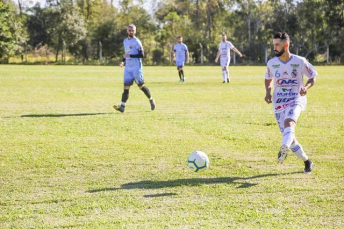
(283, 36)
(180, 37)
(224, 35)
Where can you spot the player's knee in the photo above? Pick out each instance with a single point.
(141, 85)
(289, 123)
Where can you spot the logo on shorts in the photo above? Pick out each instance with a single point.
(290, 112)
(278, 116)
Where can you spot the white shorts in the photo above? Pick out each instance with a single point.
(224, 62)
(293, 112)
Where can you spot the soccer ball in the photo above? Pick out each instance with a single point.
(198, 161)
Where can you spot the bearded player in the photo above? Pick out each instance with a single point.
(285, 72)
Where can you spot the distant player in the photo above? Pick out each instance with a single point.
(286, 72)
(180, 53)
(133, 68)
(224, 50)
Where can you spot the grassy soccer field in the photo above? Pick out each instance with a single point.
(68, 160)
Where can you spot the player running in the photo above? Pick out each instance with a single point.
(286, 72)
(224, 50)
(180, 53)
(133, 68)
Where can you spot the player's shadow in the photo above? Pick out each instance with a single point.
(148, 184)
(60, 115)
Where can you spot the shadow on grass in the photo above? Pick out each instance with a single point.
(147, 184)
(161, 194)
(60, 115)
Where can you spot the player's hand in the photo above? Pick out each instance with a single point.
(121, 64)
(216, 60)
(240, 55)
(303, 91)
(187, 62)
(268, 98)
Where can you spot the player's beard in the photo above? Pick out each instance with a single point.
(130, 35)
(280, 53)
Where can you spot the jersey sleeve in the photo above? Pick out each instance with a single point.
(185, 47)
(268, 74)
(139, 46)
(230, 45)
(308, 69)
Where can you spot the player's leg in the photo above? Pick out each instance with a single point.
(292, 116)
(226, 70)
(180, 68)
(223, 67)
(128, 81)
(140, 82)
(283, 152)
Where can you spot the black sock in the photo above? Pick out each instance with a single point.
(146, 91)
(125, 95)
(180, 74)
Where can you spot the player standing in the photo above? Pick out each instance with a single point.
(180, 53)
(224, 50)
(133, 68)
(286, 72)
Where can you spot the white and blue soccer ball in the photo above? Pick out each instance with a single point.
(198, 161)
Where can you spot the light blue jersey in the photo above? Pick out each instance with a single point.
(133, 47)
(180, 50)
(133, 65)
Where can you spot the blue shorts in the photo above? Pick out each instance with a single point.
(179, 64)
(133, 75)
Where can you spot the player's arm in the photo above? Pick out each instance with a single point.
(237, 51)
(310, 82)
(187, 56)
(140, 54)
(268, 88)
(122, 63)
(217, 55)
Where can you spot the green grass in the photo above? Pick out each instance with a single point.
(68, 160)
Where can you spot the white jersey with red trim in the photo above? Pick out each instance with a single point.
(288, 81)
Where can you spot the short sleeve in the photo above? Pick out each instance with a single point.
(268, 74)
(308, 69)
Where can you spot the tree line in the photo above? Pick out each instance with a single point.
(92, 31)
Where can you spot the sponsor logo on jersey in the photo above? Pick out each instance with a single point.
(284, 100)
(285, 82)
(285, 73)
(130, 46)
(287, 89)
(294, 73)
(295, 65)
(276, 65)
(286, 94)
(279, 107)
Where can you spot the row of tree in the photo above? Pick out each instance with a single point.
(84, 28)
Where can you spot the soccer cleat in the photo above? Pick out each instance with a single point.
(309, 165)
(152, 103)
(282, 154)
(119, 108)
(183, 80)
(228, 80)
(224, 82)
(180, 81)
